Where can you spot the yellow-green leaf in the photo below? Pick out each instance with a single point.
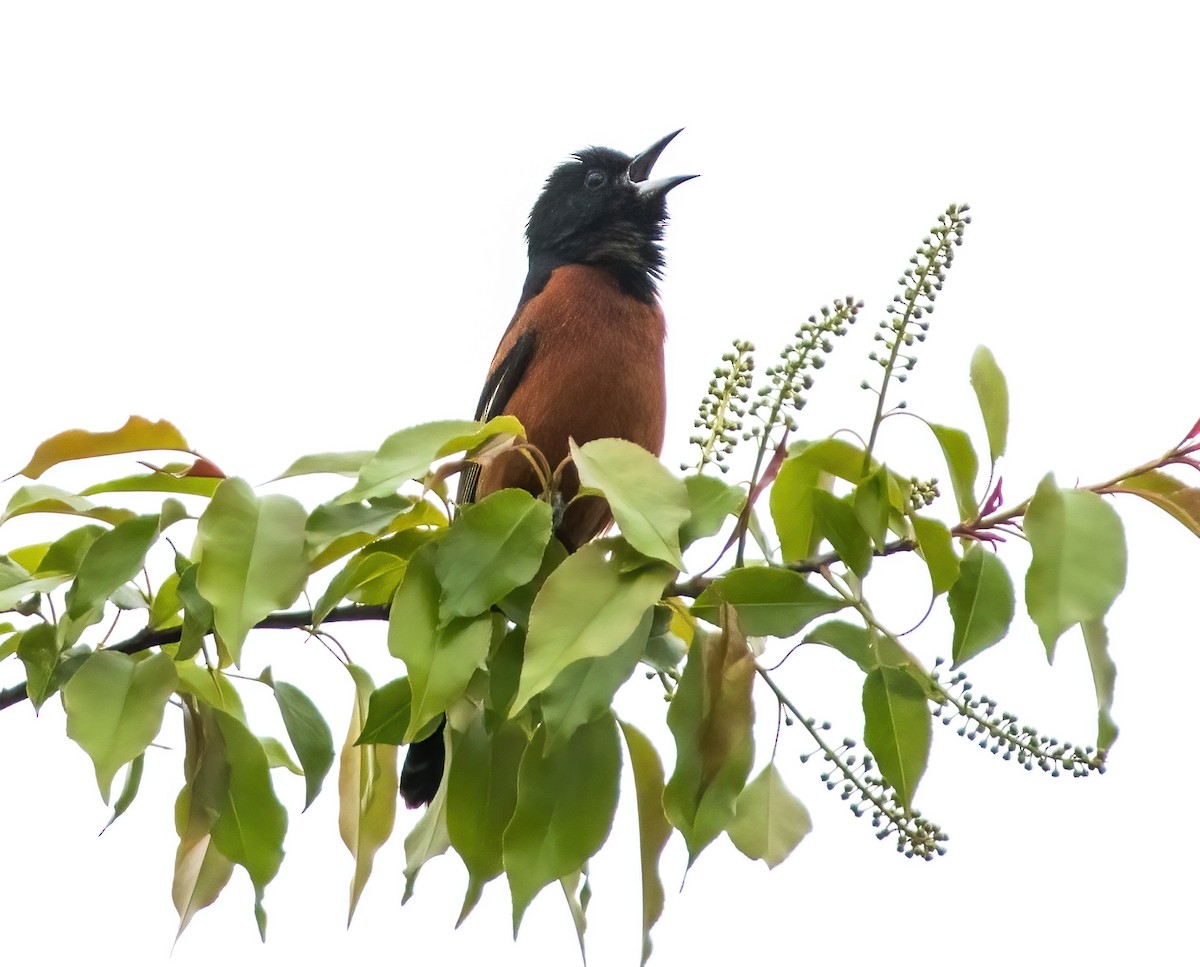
(137, 434)
(769, 822)
(981, 603)
(367, 788)
(897, 728)
(252, 559)
(991, 390)
(115, 708)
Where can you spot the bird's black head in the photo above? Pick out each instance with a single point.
(602, 208)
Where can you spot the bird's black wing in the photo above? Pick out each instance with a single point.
(497, 391)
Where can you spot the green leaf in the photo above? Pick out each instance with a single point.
(981, 603)
(577, 890)
(403, 456)
(648, 503)
(369, 519)
(963, 466)
(481, 793)
(853, 641)
(440, 659)
(16, 584)
(769, 600)
(252, 821)
(897, 728)
(252, 559)
(836, 521)
(389, 709)
(712, 501)
(586, 609)
(166, 607)
(41, 499)
(367, 788)
(129, 789)
(210, 686)
(65, 554)
(584, 690)
(38, 651)
(309, 734)
(936, 547)
(517, 604)
(1104, 674)
(653, 828)
(278, 756)
(711, 717)
(115, 708)
(137, 434)
(871, 505)
(1079, 559)
(494, 547)
(197, 614)
(158, 482)
(563, 813)
(991, 390)
(505, 425)
(361, 571)
(792, 507)
(347, 463)
(112, 559)
(1167, 493)
(769, 822)
(428, 838)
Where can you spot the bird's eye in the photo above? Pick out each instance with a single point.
(595, 179)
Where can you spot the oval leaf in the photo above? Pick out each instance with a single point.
(981, 603)
(769, 822)
(648, 503)
(897, 728)
(769, 601)
(991, 390)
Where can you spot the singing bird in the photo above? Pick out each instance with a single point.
(582, 358)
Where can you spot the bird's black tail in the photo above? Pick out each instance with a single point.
(423, 768)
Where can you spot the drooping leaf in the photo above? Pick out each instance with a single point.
(428, 838)
(981, 603)
(252, 820)
(201, 870)
(278, 756)
(440, 658)
(252, 559)
(991, 390)
(129, 789)
(563, 813)
(577, 890)
(584, 690)
(936, 547)
(115, 708)
(791, 507)
(38, 650)
(481, 793)
(110, 561)
(309, 734)
(1079, 559)
(897, 728)
(712, 501)
(166, 606)
(648, 503)
(837, 522)
(587, 608)
(653, 828)
(137, 434)
(494, 547)
(769, 822)
(517, 604)
(17, 584)
(368, 783)
(1167, 493)
(963, 466)
(197, 613)
(369, 518)
(711, 717)
(403, 456)
(1104, 674)
(210, 686)
(769, 600)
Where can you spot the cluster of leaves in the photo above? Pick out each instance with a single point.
(520, 648)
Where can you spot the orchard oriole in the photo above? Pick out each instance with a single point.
(582, 358)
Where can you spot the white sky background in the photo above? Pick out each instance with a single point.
(291, 228)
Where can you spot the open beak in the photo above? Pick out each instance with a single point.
(641, 166)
